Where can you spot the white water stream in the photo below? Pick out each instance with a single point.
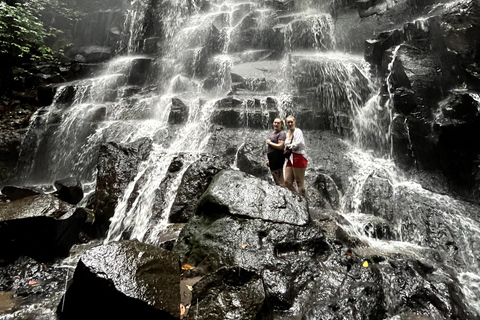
(101, 111)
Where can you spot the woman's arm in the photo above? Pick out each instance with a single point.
(278, 146)
(298, 142)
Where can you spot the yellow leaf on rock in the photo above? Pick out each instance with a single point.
(189, 287)
(186, 266)
(244, 246)
(182, 309)
(365, 264)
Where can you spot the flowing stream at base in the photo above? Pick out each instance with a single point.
(64, 138)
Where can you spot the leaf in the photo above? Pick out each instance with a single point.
(244, 246)
(365, 264)
(32, 283)
(182, 309)
(189, 287)
(186, 266)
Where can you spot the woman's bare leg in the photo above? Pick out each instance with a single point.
(278, 177)
(289, 178)
(299, 175)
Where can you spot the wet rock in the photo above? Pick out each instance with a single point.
(280, 251)
(129, 279)
(255, 30)
(249, 162)
(41, 227)
(252, 113)
(323, 96)
(31, 282)
(45, 95)
(69, 190)
(428, 61)
(117, 166)
(139, 72)
(315, 31)
(178, 113)
(222, 293)
(323, 193)
(375, 48)
(15, 193)
(195, 181)
(12, 126)
(93, 53)
(242, 195)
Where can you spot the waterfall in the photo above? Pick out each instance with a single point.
(275, 64)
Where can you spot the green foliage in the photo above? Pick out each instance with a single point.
(27, 30)
(21, 33)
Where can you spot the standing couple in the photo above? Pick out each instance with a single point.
(297, 162)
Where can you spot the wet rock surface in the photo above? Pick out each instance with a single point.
(41, 227)
(308, 271)
(195, 181)
(131, 279)
(244, 196)
(117, 165)
(429, 75)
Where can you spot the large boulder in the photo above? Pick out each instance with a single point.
(69, 190)
(41, 226)
(124, 280)
(244, 196)
(117, 166)
(195, 181)
(308, 271)
(224, 291)
(15, 193)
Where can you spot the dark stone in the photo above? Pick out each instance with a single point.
(328, 194)
(218, 295)
(404, 100)
(41, 227)
(140, 71)
(195, 181)
(94, 53)
(245, 196)
(117, 166)
(69, 190)
(67, 95)
(130, 279)
(45, 95)
(178, 113)
(249, 163)
(14, 193)
(252, 113)
(375, 48)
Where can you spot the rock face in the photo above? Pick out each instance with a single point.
(129, 279)
(69, 190)
(195, 181)
(244, 196)
(117, 165)
(308, 271)
(41, 227)
(433, 84)
(223, 291)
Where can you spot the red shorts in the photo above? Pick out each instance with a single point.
(299, 161)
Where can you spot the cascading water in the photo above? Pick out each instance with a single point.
(204, 53)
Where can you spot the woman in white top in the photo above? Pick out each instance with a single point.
(297, 163)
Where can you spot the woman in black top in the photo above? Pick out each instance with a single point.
(275, 158)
